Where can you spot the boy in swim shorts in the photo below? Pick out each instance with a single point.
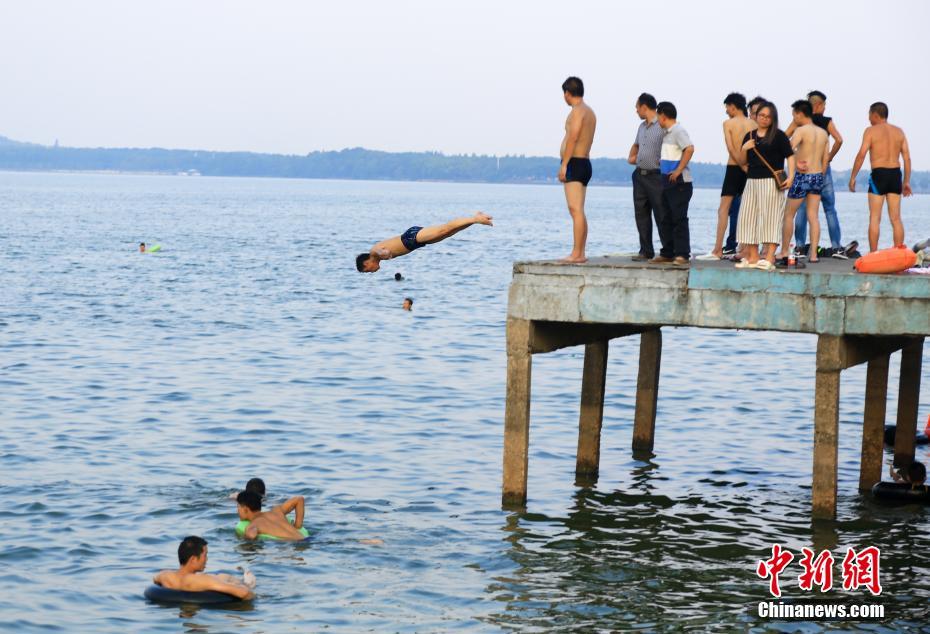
(192, 555)
(812, 154)
(414, 238)
(273, 522)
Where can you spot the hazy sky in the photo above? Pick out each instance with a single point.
(458, 77)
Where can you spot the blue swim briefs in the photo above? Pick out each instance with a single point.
(805, 184)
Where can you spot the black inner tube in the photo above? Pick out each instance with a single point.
(901, 491)
(158, 594)
(921, 439)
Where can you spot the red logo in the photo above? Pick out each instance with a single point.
(816, 571)
(773, 567)
(859, 569)
(862, 570)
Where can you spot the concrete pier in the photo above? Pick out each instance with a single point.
(858, 319)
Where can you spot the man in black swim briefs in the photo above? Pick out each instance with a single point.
(414, 238)
(886, 146)
(575, 170)
(578, 171)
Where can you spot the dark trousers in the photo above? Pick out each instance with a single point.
(647, 202)
(731, 244)
(673, 227)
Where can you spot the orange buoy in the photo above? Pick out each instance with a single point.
(893, 260)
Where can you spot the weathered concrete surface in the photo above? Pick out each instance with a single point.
(825, 298)
(873, 424)
(592, 410)
(859, 319)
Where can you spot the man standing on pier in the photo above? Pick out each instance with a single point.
(677, 188)
(884, 143)
(818, 102)
(647, 181)
(575, 171)
(812, 151)
(734, 180)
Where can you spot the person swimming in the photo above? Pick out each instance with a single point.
(915, 474)
(408, 303)
(272, 523)
(141, 247)
(190, 576)
(256, 485)
(414, 238)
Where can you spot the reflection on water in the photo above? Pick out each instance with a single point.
(139, 390)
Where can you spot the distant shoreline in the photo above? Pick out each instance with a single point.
(349, 164)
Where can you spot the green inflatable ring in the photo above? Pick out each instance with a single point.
(244, 524)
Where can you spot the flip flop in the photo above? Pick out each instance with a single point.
(744, 264)
(765, 265)
(707, 256)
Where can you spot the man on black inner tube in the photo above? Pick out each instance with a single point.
(190, 577)
(915, 475)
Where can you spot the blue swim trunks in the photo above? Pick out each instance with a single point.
(409, 238)
(805, 184)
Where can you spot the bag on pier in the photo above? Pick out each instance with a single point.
(893, 260)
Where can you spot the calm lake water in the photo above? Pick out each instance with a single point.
(138, 391)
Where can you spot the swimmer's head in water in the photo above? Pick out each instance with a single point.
(249, 504)
(398, 277)
(256, 485)
(194, 550)
(366, 264)
(916, 473)
(408, 303)
(141, 246)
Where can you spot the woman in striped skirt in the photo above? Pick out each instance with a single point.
(763, 208)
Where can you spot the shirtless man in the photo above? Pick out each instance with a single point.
(827, 195)
(812, 154)
(414, 238)
(884, 143)
(273, 522)
(575, 171)
(734, 180)
(192, 555)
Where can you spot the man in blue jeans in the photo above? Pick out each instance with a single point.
(818, 102)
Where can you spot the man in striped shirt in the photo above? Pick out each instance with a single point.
(647, 182)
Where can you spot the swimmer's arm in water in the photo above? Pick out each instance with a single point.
(252, 531)
(295, 504)
(894, 474)
(214, 583)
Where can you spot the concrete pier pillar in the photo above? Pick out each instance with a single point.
(873, 425)
(908, 397)
(647, 390)
(592, 410)
(826, 425)
(517, 411)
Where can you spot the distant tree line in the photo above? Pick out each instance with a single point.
(354, 163)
